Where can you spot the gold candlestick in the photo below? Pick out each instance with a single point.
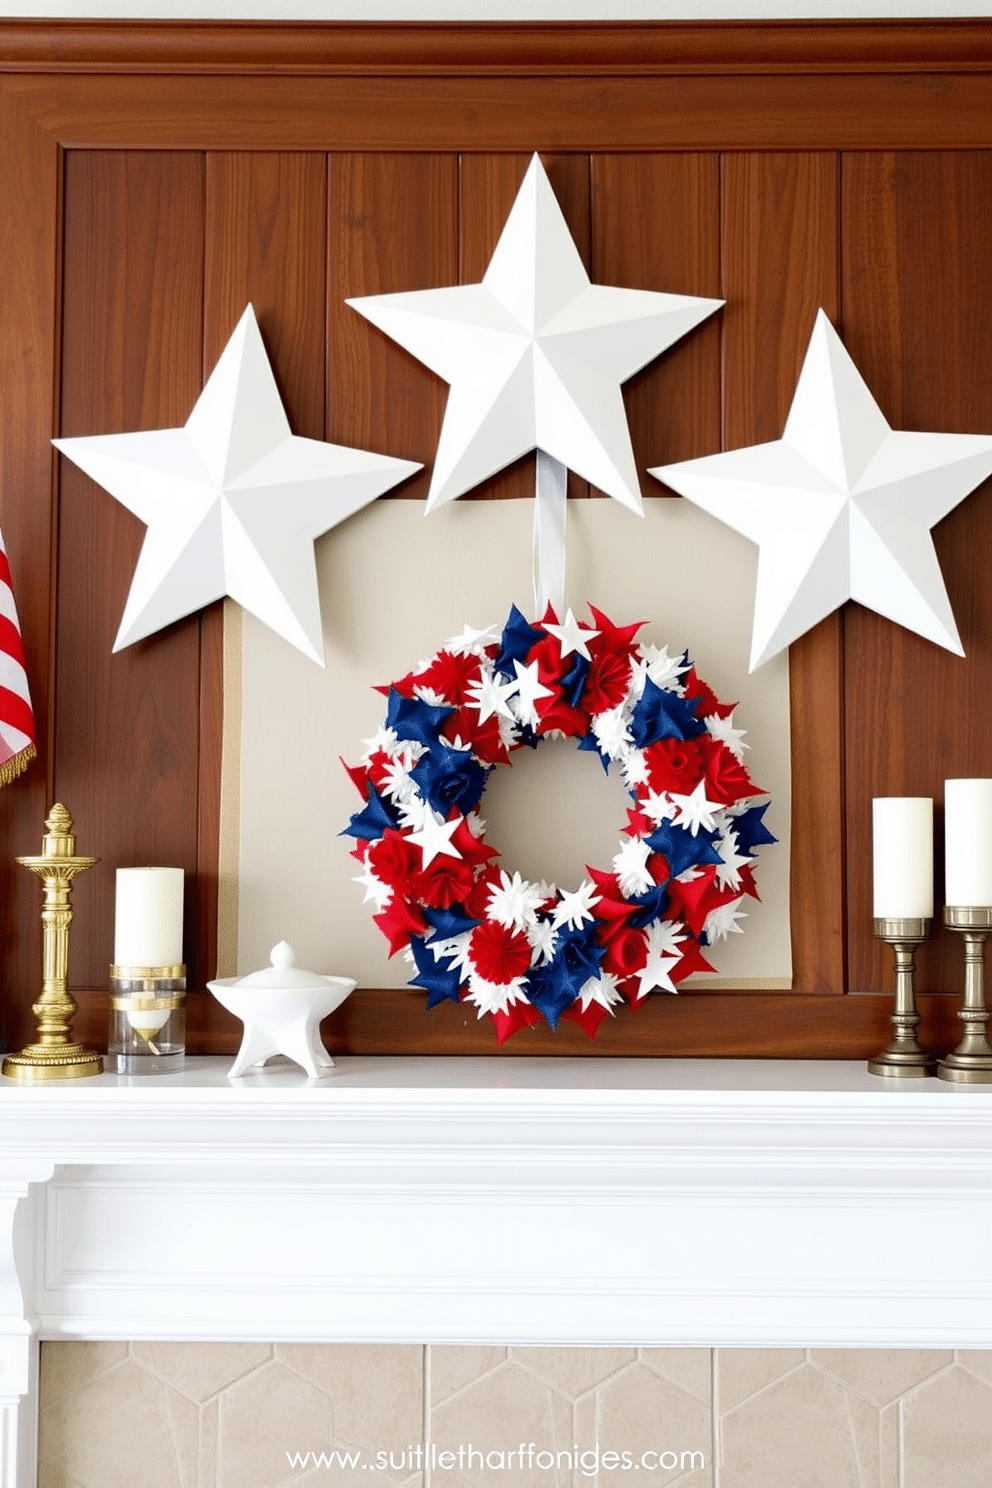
(904, 1056)
(971, 1062)
(55, 1056)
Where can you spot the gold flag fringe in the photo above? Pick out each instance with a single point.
(10, 769)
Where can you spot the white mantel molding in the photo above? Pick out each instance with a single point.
(491, 1200)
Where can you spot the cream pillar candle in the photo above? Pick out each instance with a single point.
(902, 843)
(148, 927)
(968, 842)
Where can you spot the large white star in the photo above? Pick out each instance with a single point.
(841, 506)
(535, 354)
(233, 501)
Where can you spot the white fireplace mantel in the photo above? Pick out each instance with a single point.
(503, 1200)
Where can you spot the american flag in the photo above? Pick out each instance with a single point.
(16, 715)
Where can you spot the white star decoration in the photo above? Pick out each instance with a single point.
(573, 637)
(529, 689)
(694, 810)
(433, 837)
(233, 501)
(535, 354)
(841, 506)
(663, 939)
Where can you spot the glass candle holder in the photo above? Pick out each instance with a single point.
(147, 1020)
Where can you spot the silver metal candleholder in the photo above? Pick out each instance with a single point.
(904, 1057)
(971, 1062)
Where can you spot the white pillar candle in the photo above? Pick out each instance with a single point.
(148, 926)
(902, 841)
(968, 842)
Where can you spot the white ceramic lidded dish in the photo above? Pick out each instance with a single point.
(282, 1007)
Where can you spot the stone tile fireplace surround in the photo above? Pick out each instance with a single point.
(680, 1214)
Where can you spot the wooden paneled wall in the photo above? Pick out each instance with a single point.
(157, 177)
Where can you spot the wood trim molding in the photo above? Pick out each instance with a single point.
(591, 49)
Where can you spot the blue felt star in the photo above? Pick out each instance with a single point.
(442, 982)
(680, 849)
(517, 639)
(651, 906)
(446, 923)
(590, 743)
(751, 830)
(375, 816)
(554, 987)
(411, 718)
(663, 715)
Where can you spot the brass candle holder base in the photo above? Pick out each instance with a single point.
(55, 1056)
(971, 1062)
(904, 1057)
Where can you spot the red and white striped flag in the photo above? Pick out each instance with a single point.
(16, 715)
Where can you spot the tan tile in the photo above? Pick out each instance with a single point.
(641, 1411)
(585, 1422)
(888, 1446)
(207, 1445)
(107, 1427)
(54, 1477)
(199, 1370)
(510, 1408)
(263, 1417)
(881, 1375)
(184, 1428)
(689, 1368)
(743, 1372)
(864, 1426)
(947, 1433)
(797, 1433)
(376, 1390)
(65, 1366)
(730, 1479)
(573, 1371)
(979, 1361)
(453, 1367)
(319, 1478)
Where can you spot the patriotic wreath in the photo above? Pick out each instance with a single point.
(520, 951)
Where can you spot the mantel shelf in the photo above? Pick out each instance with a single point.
(493, 1200)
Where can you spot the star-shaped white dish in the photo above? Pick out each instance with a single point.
(535, 354)
(841, 506)
(233, 501)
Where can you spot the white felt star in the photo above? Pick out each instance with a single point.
(535, 354)
(630, 867)
(602, 989)
(472, 642)
(574, 908)
(731, 861)
(490, 695)
(375, 890)
(841, 506)
(723, 729)
(722, 921)
(529, 689)
(572, 636)
(233, 501)
(514, 902)
(433, 837)
(663, 939)
(694, 810)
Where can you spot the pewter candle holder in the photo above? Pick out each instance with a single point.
(904, 1056)
(971, 1062)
